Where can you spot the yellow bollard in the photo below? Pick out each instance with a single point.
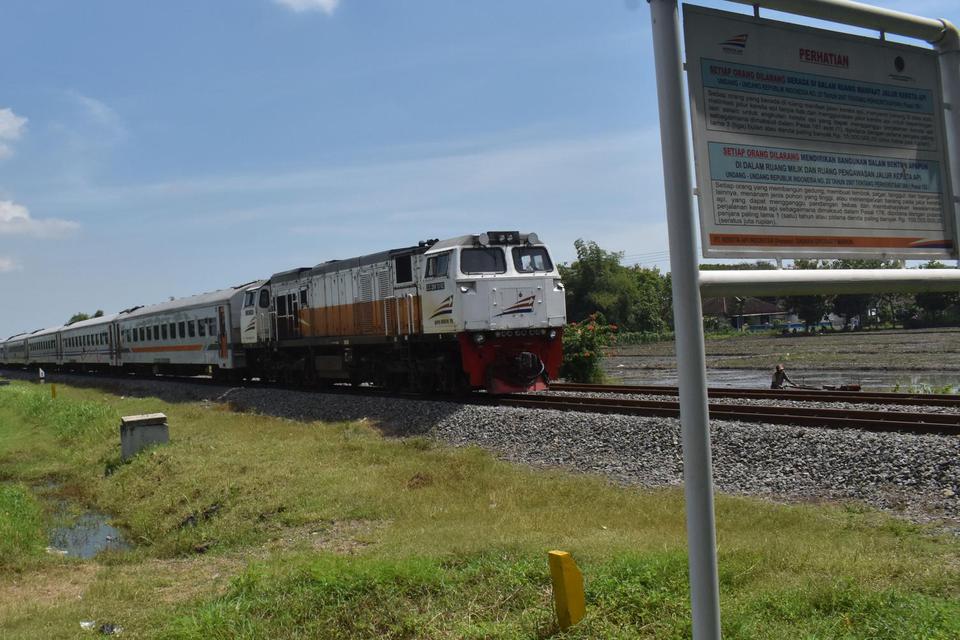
(53, 391)
(568, 595)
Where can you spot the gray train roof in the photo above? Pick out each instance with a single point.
(200, 300)
(44, 332)
(90, 322)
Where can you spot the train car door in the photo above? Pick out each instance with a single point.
(222, 325)
(114, 334)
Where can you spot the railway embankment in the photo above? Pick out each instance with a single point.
(359, 509)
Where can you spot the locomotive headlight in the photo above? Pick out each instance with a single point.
(468, 287)
(552, 334)
(479, 338)
(557, 284)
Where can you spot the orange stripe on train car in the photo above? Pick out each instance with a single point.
(173, 347)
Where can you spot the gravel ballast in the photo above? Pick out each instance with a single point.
(914, 476)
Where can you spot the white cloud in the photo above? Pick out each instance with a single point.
(8, 264)
(11, 128)
(100, 115)
(16, 219)
(326, 6)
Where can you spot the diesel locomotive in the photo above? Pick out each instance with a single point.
(482, 311)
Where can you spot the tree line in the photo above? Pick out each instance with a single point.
(638, 299)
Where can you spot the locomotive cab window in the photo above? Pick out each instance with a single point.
(486, 260)
(264, 302)
(437, 266)
(530, 259)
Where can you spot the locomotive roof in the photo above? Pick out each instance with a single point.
(200, 300)
(348, 263)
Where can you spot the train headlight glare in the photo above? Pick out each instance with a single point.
(552, 334)
(479, 338)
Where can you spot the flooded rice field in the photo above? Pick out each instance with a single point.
(920, 360)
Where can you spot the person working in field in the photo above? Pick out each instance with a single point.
(780, 378)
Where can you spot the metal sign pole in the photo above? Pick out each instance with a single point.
(949, 49)
(688, 321)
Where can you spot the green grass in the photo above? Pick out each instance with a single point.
(254, 527)
(21, 527)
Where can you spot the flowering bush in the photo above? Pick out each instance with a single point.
(583, 344)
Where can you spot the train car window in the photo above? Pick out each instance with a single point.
(201, 330)
(150, 334)
(142, 338)
(303, 297)
(212, 328)
(191, 328)
(264, 298)
(403, 268)
(182, 329)
(487, 260)
(173, 330)
(163, 331)
(437, 265)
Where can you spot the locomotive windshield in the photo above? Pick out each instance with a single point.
(487, 260)
(530, 259)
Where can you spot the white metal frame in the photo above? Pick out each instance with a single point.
(688, 282)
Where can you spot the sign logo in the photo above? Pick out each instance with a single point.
(736, 44)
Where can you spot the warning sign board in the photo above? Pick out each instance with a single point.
(814, 143)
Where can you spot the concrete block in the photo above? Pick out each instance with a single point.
(137, 432)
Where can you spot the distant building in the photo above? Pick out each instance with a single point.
(744, 313)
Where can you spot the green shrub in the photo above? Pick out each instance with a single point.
(583, 344)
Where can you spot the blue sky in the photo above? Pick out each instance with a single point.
(150, 150)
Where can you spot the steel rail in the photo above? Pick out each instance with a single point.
(879, 421)
(804, 395)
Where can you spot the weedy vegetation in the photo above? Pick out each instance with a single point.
(248, 526)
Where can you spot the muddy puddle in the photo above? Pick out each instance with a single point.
(77, 532)
(83, 534)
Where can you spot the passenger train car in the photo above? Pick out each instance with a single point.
(477, 311)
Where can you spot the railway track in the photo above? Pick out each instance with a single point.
(861, 397)
(880, 421)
